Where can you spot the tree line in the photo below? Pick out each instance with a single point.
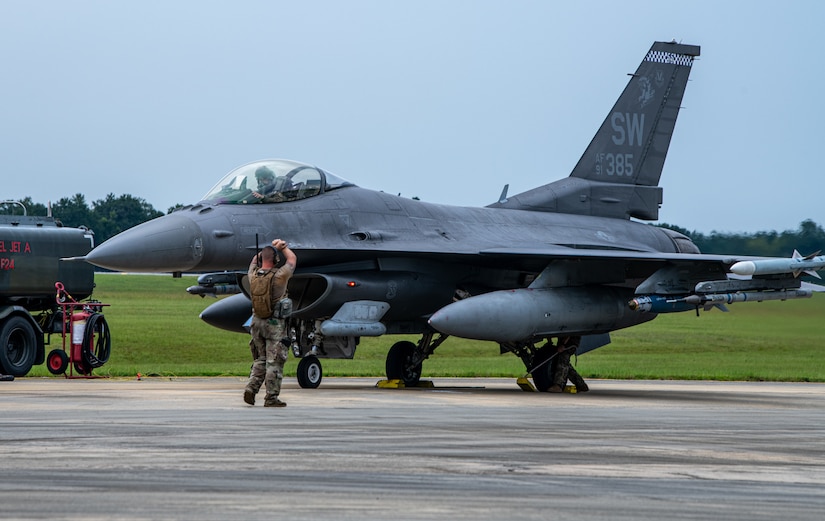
(109, 216)
(105, 217)
(808, 238)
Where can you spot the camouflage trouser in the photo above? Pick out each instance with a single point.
(268, 355)
(564, 370)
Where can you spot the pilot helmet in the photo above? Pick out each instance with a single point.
(264, 172)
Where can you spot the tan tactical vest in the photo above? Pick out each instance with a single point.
(261, 288)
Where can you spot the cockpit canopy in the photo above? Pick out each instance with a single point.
(272, 181)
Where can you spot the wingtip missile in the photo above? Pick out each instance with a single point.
(795, 265)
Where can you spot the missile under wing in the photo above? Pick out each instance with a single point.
(563, 259)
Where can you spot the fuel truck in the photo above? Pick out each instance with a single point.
(40, 296)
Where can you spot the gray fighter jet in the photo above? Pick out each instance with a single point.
(563, 259)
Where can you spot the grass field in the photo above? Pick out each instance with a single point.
(156, 331)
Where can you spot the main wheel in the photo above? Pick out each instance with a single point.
(400, 364)
(57, 362)
(309, 372)
(18, 346)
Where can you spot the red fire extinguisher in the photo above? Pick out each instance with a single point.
(78, 332)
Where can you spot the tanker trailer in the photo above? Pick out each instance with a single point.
(31, 249)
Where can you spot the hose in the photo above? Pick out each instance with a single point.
(97, 329)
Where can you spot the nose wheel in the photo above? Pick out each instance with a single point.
(310, 372)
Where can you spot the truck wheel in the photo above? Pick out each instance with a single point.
(57, 361)
(18, 346)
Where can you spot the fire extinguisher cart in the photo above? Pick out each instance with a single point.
(88, 336)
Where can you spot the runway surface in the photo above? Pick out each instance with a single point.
(469, 449)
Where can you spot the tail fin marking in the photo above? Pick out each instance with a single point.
(619, 172)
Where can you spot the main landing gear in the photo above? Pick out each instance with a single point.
(403, 363)
(405, 359)
(537, 360)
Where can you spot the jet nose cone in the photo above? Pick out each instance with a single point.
(169, 243)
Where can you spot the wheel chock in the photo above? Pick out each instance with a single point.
(390, 384)
(526, 385)
(399, 384)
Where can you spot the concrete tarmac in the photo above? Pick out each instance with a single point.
(468, 449)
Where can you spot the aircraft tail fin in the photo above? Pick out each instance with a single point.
(618, 174)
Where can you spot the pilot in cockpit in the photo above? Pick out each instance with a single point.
(268, 190)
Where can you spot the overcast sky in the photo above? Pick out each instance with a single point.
(444, 100)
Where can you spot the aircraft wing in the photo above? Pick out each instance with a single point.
(563, 252)
(765, 273)
(589, 282)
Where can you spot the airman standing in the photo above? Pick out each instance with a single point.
(269, 272)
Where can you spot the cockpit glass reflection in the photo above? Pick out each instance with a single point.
(272, 181)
